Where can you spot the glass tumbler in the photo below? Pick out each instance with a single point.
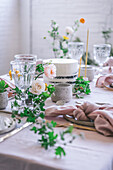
(75, 50)
(25, 57)
(23, 73)
(101, 53)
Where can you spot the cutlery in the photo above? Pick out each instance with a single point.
(99, 103)
(74, 125)
(15, 131)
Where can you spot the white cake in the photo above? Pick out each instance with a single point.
(66, 70)
(64, 67)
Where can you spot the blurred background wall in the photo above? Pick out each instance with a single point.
(9, 32)
(24, 23)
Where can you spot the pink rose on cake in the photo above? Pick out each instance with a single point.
(50, 71)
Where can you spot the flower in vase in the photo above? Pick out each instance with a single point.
(37, 87)
(50, 71)
(69, 30)
(65, 38)
(82, 20)
(10, 74)
(45, 86)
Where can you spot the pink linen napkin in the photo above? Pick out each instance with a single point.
(104, 80)
(109, 62)
(55, 111)
(102, 116)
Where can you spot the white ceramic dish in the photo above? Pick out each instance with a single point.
(6, 123)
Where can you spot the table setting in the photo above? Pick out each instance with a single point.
(58, 113)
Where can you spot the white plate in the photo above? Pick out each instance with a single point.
(6, 123)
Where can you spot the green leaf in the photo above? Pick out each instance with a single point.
(40, 68)
(59, 151)
(53, 123)
(2, 83)
(3, 86)
(81, 86)
(18, 91)
(6, 86)
(69, 129)
(45, 95)
(16, 103)
(49, 125)
(42, 115)
(34, 129)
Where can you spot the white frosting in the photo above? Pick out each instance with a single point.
(64, 67)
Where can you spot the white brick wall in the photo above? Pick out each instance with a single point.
(15, 30)
(97, 13)
(9, 33)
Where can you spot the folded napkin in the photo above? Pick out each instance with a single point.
(10, 88)
(101, 115)
(104, 80)
(109, 62)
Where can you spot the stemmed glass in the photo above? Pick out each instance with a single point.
(23, 73)
(75, 50)
(101, 53)
(25, 57)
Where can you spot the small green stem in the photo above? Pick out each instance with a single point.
(38, 75)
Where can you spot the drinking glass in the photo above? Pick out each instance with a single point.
(101, 53)
(25, 57)
(23, 73)
(75, 50)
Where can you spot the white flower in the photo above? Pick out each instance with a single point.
(64, 44)
(69, 30)
(50, 71)
(38, 87)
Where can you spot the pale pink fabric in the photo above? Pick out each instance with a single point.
(109, 62)
(104, 80)
(102, 116)
(108, 80)
(55, 111)
(100, 81)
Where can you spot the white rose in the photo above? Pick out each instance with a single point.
(38, 87)
(69, 30)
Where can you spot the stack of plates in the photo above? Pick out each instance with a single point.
(6, 123)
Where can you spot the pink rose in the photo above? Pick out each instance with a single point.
(50, 71)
